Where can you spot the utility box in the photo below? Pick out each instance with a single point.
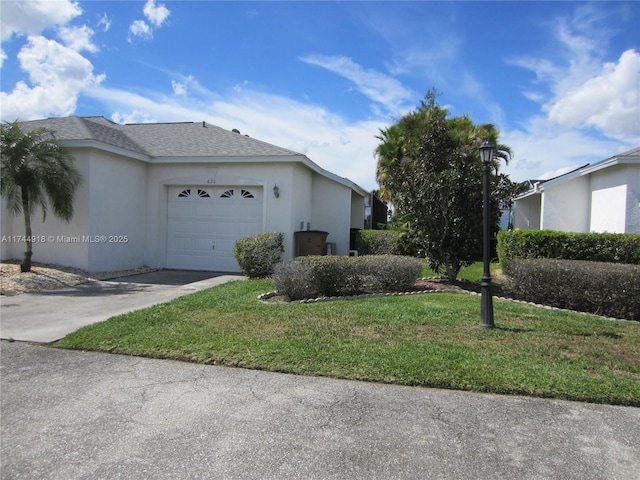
(310, 242)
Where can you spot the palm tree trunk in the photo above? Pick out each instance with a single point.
(26, 262)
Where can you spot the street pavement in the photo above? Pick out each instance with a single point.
(82, 415)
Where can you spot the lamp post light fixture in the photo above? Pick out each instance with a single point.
(486, 306)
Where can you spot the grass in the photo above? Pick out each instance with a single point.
(428, 340)
(472, 273)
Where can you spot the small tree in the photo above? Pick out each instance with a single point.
(429, 168)
(35, 171)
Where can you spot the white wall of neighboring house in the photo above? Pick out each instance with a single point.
(633, 199)
(564, 206)
(604, 197)
(527, 213)
(609, 199)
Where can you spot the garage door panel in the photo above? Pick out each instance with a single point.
(179, 243)
(202, 230)
(203, 227)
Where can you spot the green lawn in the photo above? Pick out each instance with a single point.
(429, 340)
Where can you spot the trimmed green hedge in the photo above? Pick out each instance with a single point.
(378, 242)
(595, 247)
(328, 276)
(608, 289)
(257, 254)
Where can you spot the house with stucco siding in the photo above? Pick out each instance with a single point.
(178, 195)
(599, 197)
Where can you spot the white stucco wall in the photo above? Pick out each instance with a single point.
(302, 186)
(57, 242)
(281, 214)
(357, 210)
(123, 204)
(608, 200)
(117, 212)
(632, 174)
(565, 206)
(527, 213)
(330, 203)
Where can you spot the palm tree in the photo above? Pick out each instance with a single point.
(35, 171)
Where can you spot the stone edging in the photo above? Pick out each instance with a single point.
(268, 295)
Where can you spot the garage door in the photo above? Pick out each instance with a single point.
(204, 223)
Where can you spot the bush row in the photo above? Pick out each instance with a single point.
(608, 289)
(257, 254)
(328, 276)
(595, 247)
(378, 242)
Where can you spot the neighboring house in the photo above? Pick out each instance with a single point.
(603, 197)
(178, 195)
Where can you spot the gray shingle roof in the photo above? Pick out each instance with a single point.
(184, 139)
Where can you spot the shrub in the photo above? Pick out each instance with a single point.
(378, 242)
(607, 289)
(307, 277)
(257, 254)
(333, 275)
(392, 273)
(293, 278)
(595, 247)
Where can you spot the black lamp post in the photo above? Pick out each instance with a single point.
(486, 308)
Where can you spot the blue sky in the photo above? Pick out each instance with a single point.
(560, 80)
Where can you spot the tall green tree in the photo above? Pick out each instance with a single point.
(429, 168)
(35, 171)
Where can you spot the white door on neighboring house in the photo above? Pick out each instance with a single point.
(203, 224)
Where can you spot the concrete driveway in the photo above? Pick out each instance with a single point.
(81, 415)
(48, 316)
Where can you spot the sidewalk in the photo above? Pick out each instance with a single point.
(79, 415)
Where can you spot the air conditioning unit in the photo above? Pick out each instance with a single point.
(353, 253)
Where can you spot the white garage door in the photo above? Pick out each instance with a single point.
(204, 223)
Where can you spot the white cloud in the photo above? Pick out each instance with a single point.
(544, 150)
(609, 101)
(57, 74)
(336, 145)
(132, 117)
(183, 87)
(3, 57)
(140, 28)
(179, 88)
(381, 88)
(589, 107)
(104, 22)
(78, 38)
(156, 14)
(32, 17)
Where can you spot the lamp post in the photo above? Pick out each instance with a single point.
(486, 308)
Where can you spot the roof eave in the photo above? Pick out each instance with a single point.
(104, 147)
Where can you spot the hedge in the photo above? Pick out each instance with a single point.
(595, 247)
(608, 289)
(378, 242)
(327, 276)
(257, 254)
